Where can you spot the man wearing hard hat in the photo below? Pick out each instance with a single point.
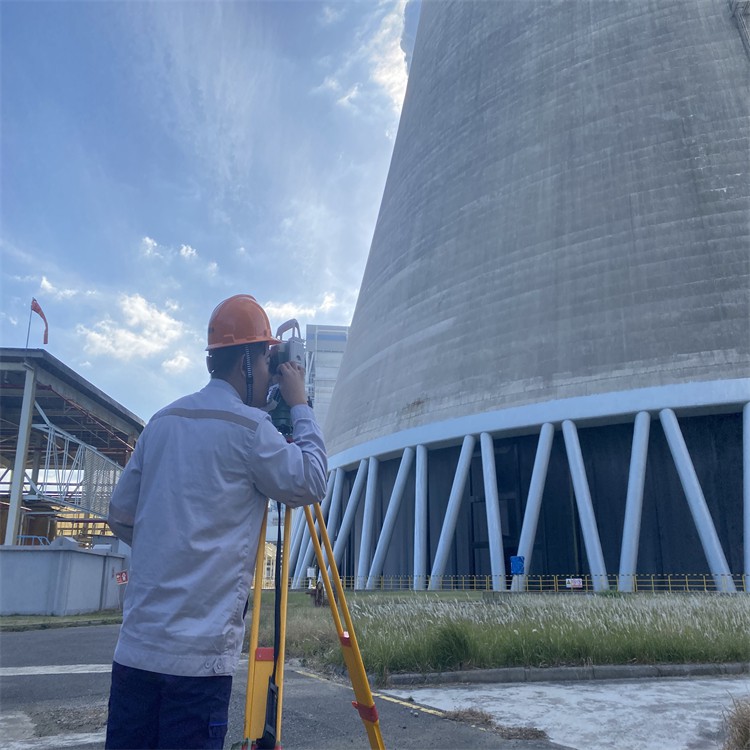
(191, 503)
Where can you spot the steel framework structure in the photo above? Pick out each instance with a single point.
(559, 277)
(565, 416)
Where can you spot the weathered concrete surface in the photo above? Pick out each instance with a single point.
(566, 213)
(661, 714)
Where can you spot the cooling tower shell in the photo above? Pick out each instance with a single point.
(548, 362)
(565, 216)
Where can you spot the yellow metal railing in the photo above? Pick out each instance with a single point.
(563, 583)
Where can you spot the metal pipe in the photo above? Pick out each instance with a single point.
(492, 504)
(451, 513)
(534, 502)
(19, 466)
(634, 502)
(389, 522)
(704, 524)
(585, 507)
(368, 521)
(420, 520)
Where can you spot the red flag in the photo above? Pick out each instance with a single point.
(38, 310)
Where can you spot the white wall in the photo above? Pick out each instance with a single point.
(58, 580)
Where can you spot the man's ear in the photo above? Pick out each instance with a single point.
(242, 365)
(209, 365)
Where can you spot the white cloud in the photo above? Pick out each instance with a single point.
(179, 363)
(330, 84)
(331, 14)
(329, 302)
(328, 309)
(205, 75)
(142, 331)
(150, 248)
(48, 288)
(10, 318)
(283, 311)
(388, 58)
(347, 100)
(377, 62)
(409, 34)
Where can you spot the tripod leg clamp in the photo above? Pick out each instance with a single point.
(367, 713)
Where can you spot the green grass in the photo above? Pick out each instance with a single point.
(11, 623)
(310, 631)
(427, 632)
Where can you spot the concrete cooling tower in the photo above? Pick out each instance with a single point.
(547, 369)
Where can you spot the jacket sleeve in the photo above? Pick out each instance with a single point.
(292, 473)
(124, 500)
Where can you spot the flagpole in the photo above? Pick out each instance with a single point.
(28, 330)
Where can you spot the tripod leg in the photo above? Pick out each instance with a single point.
(284, 603)
(364, 704)
(265, 684)
(252, 659)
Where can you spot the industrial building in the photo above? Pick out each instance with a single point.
(63, 445)
(547, 369)
(325, 346)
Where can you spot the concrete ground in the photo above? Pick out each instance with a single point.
(648, 714)
(54, 686)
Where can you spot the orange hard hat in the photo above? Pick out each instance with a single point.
(238, 320)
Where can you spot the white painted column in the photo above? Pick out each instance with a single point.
(451, 513)
(332, 522)
(389, 522)
(22, 448)
(300, 524)
(534, 503)
(492, 504)
(368, 522)
(631, 530)
(746, 492)
(420, 520)
(306, 559)
(349, 513)
(585, 507)
(704, 524)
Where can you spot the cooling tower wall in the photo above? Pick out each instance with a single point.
(566, 214)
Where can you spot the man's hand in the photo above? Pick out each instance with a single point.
(291, 378)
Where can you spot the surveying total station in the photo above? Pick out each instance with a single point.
(265, 669)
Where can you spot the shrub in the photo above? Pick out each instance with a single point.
(737, 723)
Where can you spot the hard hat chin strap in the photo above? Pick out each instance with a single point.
(248, 376)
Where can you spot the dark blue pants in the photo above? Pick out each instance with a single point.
(153, 710)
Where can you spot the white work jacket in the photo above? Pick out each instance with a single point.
(190, 503)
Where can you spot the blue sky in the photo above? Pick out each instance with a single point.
(158, 157)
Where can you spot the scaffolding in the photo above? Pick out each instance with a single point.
(63, 446)
(71, 473)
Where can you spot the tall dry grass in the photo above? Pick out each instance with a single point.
(425, 631)
(737, 726)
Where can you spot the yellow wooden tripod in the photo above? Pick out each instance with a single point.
(265, 675)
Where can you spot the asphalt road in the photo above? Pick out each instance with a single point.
(54, 686)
